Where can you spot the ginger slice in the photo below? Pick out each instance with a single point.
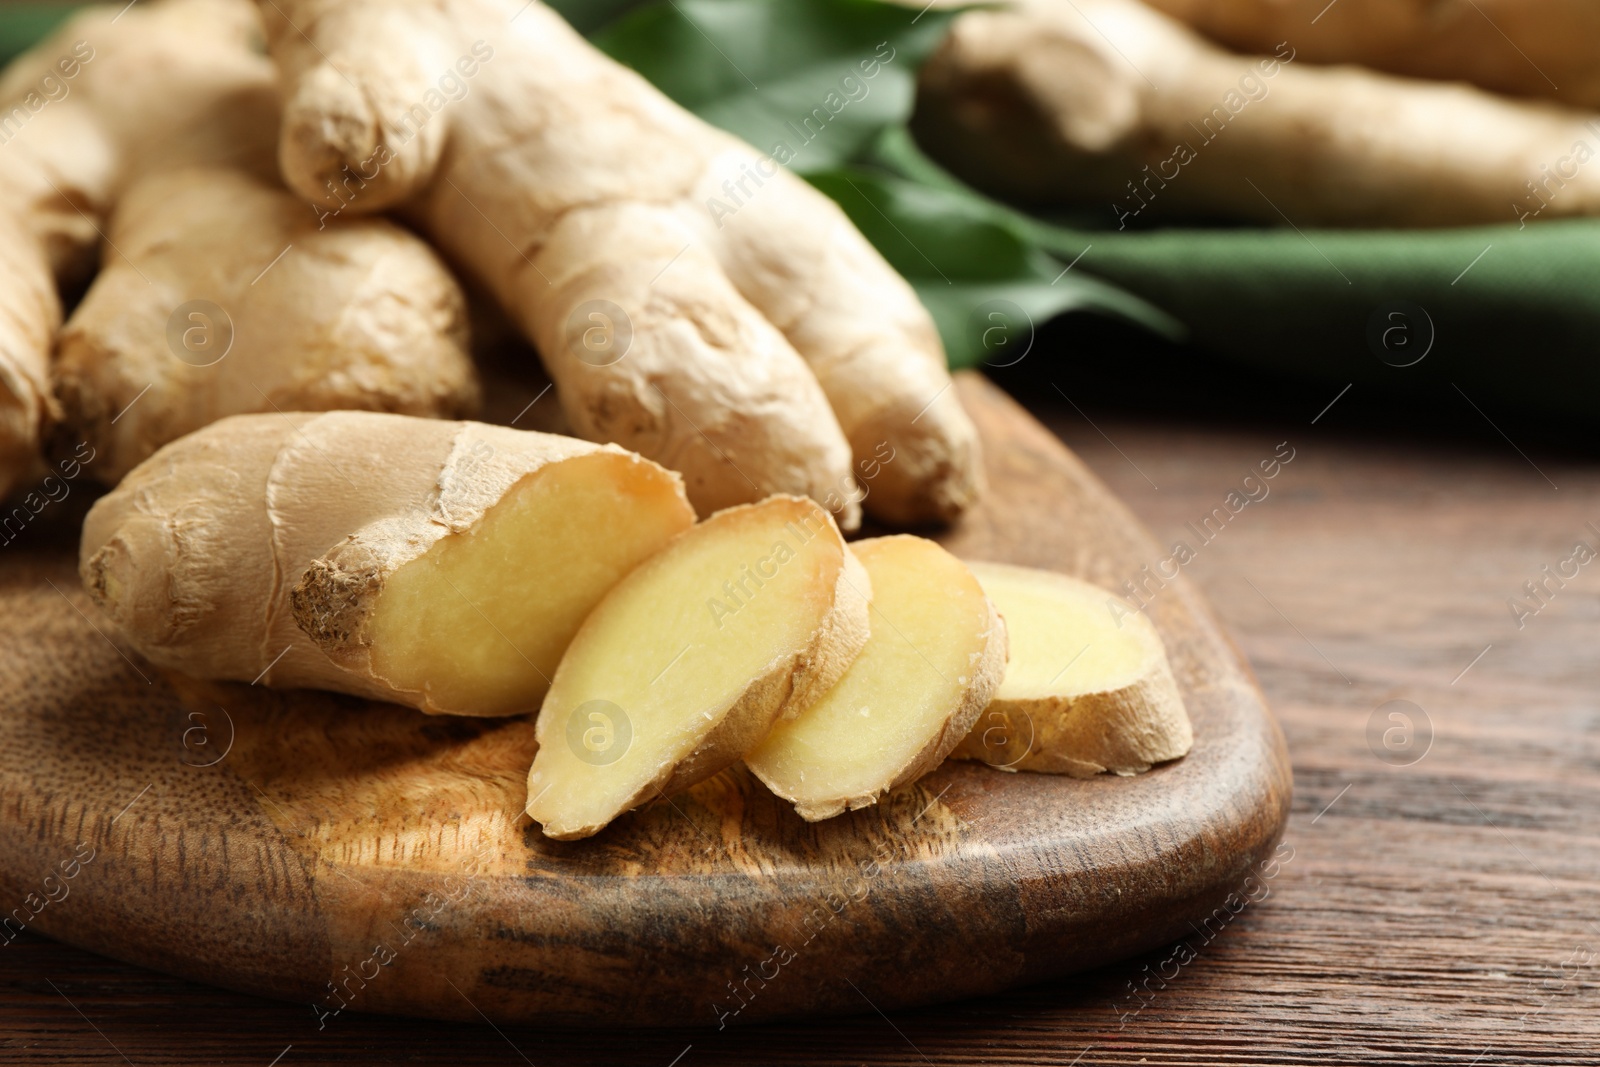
(478, 623)
(685, 665)
(935, 657)
(1087, 690)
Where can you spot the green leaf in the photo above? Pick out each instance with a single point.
(988, 286)
(25, 25)
(817, 79)
(831, 82)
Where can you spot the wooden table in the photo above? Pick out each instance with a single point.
(1439, 909)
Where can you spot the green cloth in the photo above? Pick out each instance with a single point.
(1509, 313)
(1515, 312)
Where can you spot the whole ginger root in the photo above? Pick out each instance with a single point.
(1111, 101)
(147, 136)
(773, 351)
(1547, 48)
(83, 111)
(196, 317)
(30, 312)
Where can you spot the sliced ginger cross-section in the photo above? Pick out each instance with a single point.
(685, 665)
(444, 565)
(1087, 690)
(478, 623)
(935, 657)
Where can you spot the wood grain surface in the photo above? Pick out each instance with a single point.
(360, 857)
(1433, 914)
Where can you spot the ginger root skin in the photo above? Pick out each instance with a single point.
(156, 155)
(1085, 692)
(217, 555)
(770, 350)
(1112, 101)
(227, 296)
(134, 92)
(30, 312)
(687, 662)
(1544, 48)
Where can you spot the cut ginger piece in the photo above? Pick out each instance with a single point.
(478, 623)
(686, 664)
(443, 565)
(935, 657)
(1088, 689)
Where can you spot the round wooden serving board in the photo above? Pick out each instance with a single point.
(363, 857)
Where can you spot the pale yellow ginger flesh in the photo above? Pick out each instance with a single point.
(935, 656)
(1088, 688)
(520, 582)
(686, 664)
(443, 565)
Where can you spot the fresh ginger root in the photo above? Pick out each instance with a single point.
(99, 100)
(935, 656)
(192, 319)
(757, 354)
(1524, 47)
(30, 312)
(444, 565)
(1087, 690)
(167, 112)
(1108, 99)
(684, 666)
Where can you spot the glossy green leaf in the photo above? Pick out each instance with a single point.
(988, 286)
(23, 25)
(831, 83)
(812, 79)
